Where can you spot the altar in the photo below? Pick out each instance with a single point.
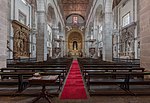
(75, 44)
(75, 53)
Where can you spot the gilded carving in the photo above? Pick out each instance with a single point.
(21, 40)
(127, 41)
(75, 44)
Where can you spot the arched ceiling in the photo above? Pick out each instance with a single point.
(80, 7)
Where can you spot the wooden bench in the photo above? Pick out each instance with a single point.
(18, 72)
(94, 78)
(41, 64)
(21, 81)
(23, 60)
(63, 70)
(99, 63)
(129, 61)
(85, 71)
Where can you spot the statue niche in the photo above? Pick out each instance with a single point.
(127, 41)
(75, 45)
(21, 40)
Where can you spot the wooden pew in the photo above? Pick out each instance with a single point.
(129, 61)
(21, 71)
(54, 63)
(85, 71)
(95, 63)
(94, 78)
(63, 71)
(21, 81)
(40, 65)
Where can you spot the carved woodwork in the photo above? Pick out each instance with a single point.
(20, 40)
(127, 40)
(75, 49)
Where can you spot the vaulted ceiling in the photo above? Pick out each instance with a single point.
(70, 7)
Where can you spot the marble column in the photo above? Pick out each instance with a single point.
(107, 34)
(41, 41)
(3, 32)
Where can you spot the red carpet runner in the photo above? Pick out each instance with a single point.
(74, 87)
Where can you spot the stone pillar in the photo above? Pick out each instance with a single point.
(3, 32)
(144, 16)
(107, 34)
(55, 32)
(41, 48)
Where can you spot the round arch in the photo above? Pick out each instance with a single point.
(75, 36)
(51, 17)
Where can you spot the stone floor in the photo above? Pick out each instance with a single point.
(29, 94)
(93, 99)
(27, 97)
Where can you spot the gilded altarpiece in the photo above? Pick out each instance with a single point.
(75, 44)
(20, 40)
(127, 41)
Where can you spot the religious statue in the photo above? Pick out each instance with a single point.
(75, 45)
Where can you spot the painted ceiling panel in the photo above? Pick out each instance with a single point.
(75, 6)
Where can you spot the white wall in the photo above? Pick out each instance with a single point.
(3, 32)
(26, 9)
(49, 41)
(123, 10)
